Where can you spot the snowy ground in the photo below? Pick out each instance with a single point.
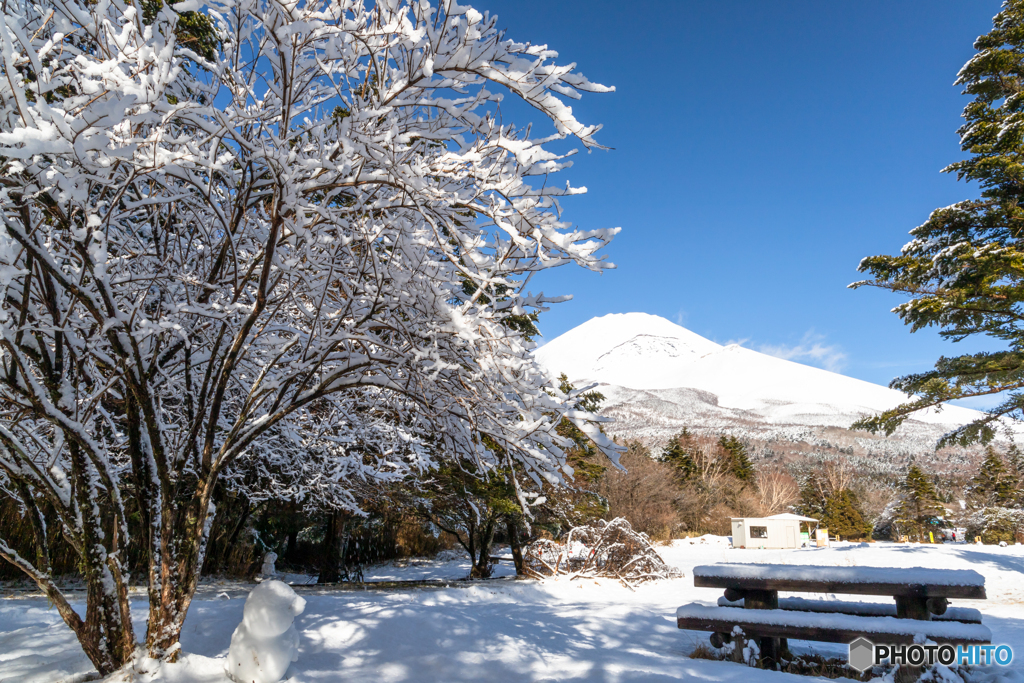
(451, 564)
(556, 630)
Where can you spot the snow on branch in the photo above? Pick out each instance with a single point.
(285, 240)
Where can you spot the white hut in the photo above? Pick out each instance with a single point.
(776, 532)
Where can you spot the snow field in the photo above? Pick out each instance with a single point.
(554, 630)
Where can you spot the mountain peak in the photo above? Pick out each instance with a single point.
(618, 341)
(646, 352)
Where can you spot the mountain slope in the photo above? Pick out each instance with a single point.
(659, 376)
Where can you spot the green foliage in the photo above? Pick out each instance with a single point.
(583, 456)
(525, 324)
(679, 454)
(194, 31)
(470, 505)
(964, 269)
(919, 507)
(842, 515)
(993, 485)
(837, 509)
(1015, 469)
(996, 498)
(997, 524)
(812, 501)
(740, 467)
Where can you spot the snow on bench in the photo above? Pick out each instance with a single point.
(830, 628)
(912, 581)
(967, 615)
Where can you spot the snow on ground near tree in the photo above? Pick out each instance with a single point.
(554, 630)
(450, 564)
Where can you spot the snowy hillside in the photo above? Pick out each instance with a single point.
(659, 377)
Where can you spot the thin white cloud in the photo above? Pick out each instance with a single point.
(811, 350)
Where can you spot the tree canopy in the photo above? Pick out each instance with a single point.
(963, 270)
(290, 238)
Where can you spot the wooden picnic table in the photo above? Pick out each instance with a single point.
(919, 592)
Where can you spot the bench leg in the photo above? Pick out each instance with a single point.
(769, 652)
(915, 607)
(908, 607)
(770, 647)
(908, 674)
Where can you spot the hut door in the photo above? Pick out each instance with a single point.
(790, 537)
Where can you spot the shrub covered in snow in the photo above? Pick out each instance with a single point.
(996, 524)
(602, 549)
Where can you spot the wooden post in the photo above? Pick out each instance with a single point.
(770, 647)
(913, 607)
(737, 653)
(908, 674)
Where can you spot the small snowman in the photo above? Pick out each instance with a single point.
(266, 641)
(269, 571)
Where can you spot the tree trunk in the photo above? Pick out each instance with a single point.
(292, 539)
(106, 634)
(482, 565)
(177, 561)
(332, 567)
(515, 543)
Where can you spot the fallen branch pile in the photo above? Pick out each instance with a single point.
(610, 549)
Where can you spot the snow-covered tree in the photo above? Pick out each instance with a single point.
(293, 234)
(918, 506)
(962, 272)
(992, 485)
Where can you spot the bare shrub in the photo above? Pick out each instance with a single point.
(645, 494)
(416, 539)
(777, 491)
(711, 493)
(705, 651)
(611, 549)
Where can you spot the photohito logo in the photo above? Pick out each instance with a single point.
(864, 654)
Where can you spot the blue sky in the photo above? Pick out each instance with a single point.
(761, 149)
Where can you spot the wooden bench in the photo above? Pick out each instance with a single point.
(752, 603)
(834, 628)
(966, 615)
(919, 592)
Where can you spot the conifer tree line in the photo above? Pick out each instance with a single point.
(713, 478)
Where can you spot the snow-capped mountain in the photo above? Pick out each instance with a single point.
(659, 377)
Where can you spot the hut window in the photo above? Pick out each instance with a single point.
(759, 532)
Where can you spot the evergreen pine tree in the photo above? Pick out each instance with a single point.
(842, 515)
(811, 502)
(678, 454)
(740, 465)
(582, 456)
(993, 485)
(1015, 471)
(962, 271)
(918, 507)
